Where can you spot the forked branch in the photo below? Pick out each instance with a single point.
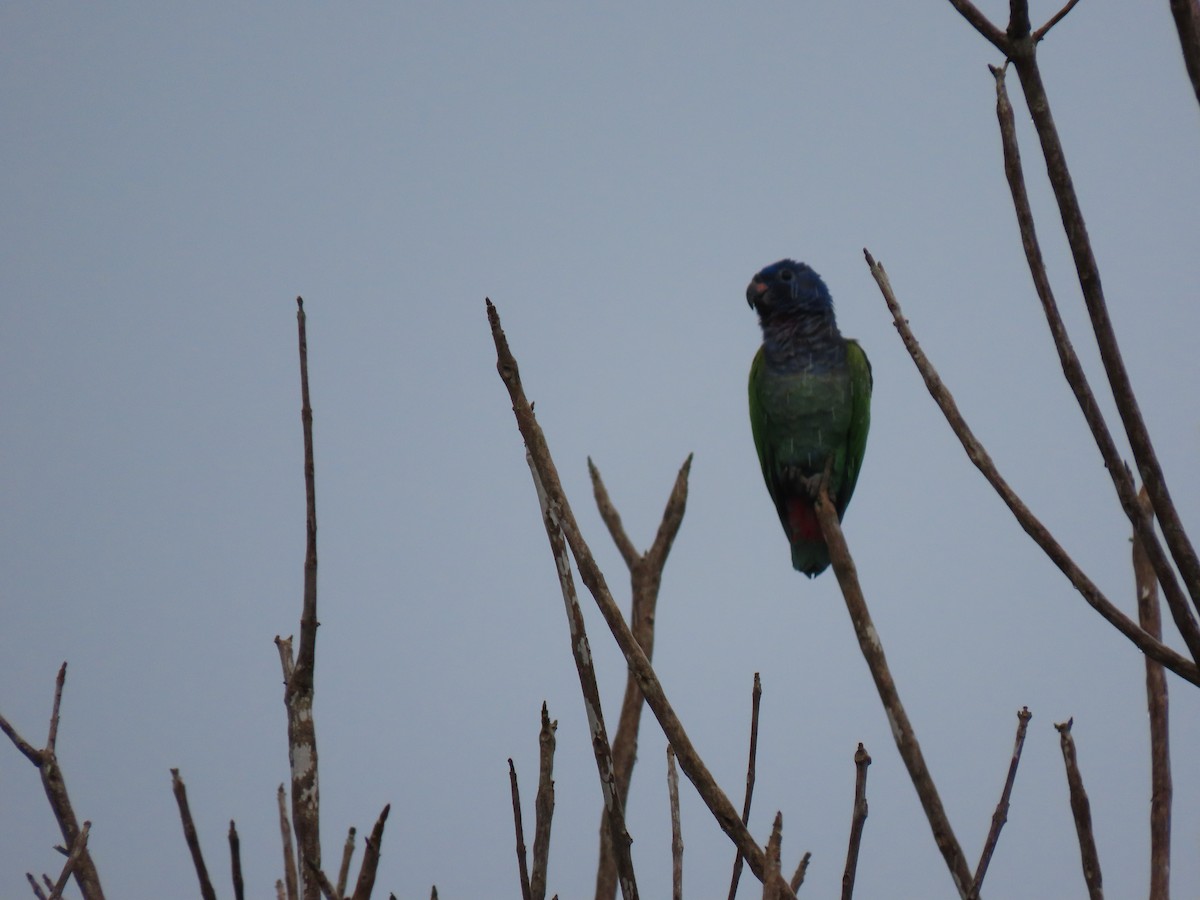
(555, 506)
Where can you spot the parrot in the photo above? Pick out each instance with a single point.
(810, 404)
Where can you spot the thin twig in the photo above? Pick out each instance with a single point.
(1077, 379)
(298, 695)
(290, 876)
(235, 862)
(1054, 20)
(1081, 809)
(519, 827)
(556, 507)
(772, 878)
(37, 888)
(801, 871)
(1161, 789)
(862, 759)
(1187, 24)
(72, 861)
(1174, 661)
(1000, 816)
(543, 805)
(676, 827)
(755, 702)
(1023, 53)
(328, 891)
(190, 836)
(981, 24)
(347, 855)
(614, 806)
(370, 862)
(645, 579)
(902, 730)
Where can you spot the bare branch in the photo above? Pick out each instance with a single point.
(1187, 23)
(1081, 809)
(347, 855)
(526, 891)
(235, 862)
(902, 730)
(772, 878)
(279, 891)
(1177, 663)
(298, 695)
(614, 806)
(290, 875)
(73, 858)
(981, 24)
(1054, 20)
(1000, 816)
(612, 518)
(558, 510)
(189, 835)
(645, 577)
(676, 827)
(327, 889)
(1023, 53)
(52, 738)
(30, 752)
(801, 871)
(37, 888)
(755, 703)
(1072, 370)
(366, 874)
(543, 805)
(1161, 789)
(862, 759)
(46, 761)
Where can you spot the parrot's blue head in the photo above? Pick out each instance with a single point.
(788, 288)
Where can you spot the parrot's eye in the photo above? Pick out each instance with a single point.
(785, 275)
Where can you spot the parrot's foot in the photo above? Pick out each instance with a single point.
(809, 484)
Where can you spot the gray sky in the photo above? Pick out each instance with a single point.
(175, 175)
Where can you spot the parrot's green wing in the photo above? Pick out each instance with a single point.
(861, 383)
(759, 426)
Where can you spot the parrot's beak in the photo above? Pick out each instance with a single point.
(755, 290)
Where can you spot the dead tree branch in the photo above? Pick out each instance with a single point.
(519, 828)
(1139, 517)
(1177, 663)
(801, 870)
(347, 855)
(366, 874)
(902, 730)
(773, 878)
(676, 827)
(543, 805)
(235, 863)
(55, 786)
(1160, 745)
(1019, 44)
(751, 766)
(862, 759)
(189, 835)
(1081, 809)
(614, 807)
(554, 503)
(299, 679)
(645, 571)
(290, 875)
(72, 860)
(1187, 23)
(1000, 816)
